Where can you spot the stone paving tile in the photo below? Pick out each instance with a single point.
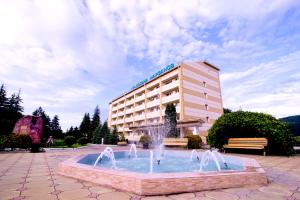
(156, 198)
(221, 195)
(183, 196)
(33, 176)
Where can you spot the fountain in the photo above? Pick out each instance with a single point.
(195, 152)
(109, 153)
(133, 147)
(142, 176)
(151, 162)
(220, 157)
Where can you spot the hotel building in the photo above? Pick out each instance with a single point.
(193, 87)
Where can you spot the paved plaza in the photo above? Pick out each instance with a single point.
(26, 175)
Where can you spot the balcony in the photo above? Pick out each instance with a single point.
(140, 107)
(140, 98)
(153, 103)
(170, 86)
(153, 92)
(153, 114)
(170, 98)
(121, 106)
(114, 115)
(120, 121)
(129, 110)
(126, 129)
(129, 102)
(128, 119)
(114, 108)
(120, 113)
(139, 117)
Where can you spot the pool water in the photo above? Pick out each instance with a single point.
(172, 161)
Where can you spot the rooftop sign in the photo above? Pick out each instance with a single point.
(167, 68)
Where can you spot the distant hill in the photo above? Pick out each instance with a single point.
(294, 123)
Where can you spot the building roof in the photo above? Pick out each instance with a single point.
(124, 94)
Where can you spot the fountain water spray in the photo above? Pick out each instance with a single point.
(194, 152)
(151, 162)
(220, 157)
(206, 157)
(109, 153)
(133, 147)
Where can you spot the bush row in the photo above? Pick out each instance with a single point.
(16, 141)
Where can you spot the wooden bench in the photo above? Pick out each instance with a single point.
(247, 143)
(175, 142)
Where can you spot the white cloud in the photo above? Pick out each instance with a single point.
(68, 56)
(271, 87)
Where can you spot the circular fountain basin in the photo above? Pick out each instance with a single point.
(175, 173)
(170, 162)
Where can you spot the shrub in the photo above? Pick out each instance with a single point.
(297, 140)
(82, 141)
(10, 141)
(70, 140)
(58, 143)
(194, 141)
(145, 139)
(16, 141)
(23, 141)
(250, 124)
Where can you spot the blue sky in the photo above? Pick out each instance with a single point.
(69, 56)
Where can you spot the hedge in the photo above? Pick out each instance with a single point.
(70, 140)
(194, 141)
(251, 124)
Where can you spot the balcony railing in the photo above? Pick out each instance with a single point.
(129, 110)
(129, 119)
(140, 107)
(153, 114)
(129, 102)
(170, 86)
(153, 103)
(153, 92)
(139, 117)
(170, 98)
(140, 98)
(120, 113)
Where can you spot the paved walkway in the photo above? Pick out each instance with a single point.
(33, 176)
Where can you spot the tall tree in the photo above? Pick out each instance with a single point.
(227, 110)
(171, 121)
(95, 120)
(97, 137)
(3, 98)
(114, 136)
(55, 127)
(105, 133)
(39, 112)
(10, 111)
(85, 126)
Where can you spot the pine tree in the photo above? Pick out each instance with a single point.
(10, 111)
(39, 112)
(171, 121)
(55, 127)
(85, 126)
(96, 139)
(3, 98)
(105, 133)
(96, 120)
(114, 136)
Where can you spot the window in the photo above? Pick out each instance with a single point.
(205, 95)
(207, 119)
(204, 83)
(206, 107)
